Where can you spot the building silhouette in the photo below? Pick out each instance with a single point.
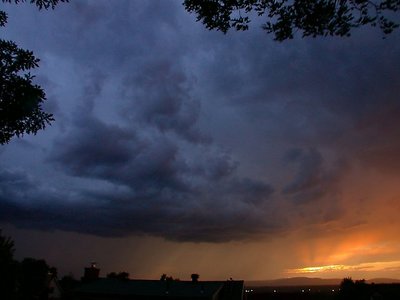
(96, 288)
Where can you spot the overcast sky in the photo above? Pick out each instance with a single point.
(177, 150)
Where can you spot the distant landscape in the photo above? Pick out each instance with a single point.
(299, 288)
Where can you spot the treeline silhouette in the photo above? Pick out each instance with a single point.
(24, 280)
(31, 279)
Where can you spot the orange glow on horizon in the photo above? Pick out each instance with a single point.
(366, 267)
(352, 248)
(307, 270)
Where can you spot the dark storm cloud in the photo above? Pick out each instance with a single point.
(313, 179)
(171, 213)
(310, 172)
(165, 191)
(95, 145)
(165, 176)
(309, 91)
(250, 191)
(15, 181)
(375, 139)
(160, 97)
(115, 154)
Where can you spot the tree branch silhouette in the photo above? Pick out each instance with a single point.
(282, 18)
(21, 100)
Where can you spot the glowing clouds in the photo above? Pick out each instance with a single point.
(366, 268)
(319, 269)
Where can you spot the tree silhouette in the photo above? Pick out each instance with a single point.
(7, 249)
(164, 277)
(353, 290)
(195, 277)
(24, 280)
(20, 99)
(119, 275)
(33, 279)
(283, 18)
(8, 268)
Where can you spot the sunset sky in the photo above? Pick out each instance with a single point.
(180, 150)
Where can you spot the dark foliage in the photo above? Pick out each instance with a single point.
(195, 277)
(8, 268)
(6, 249)
(26, 280)
(283, 18)
(120, 275)
(33, 279)
(354, 290)
(164, 277)
(20, 99)
(39, 3)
